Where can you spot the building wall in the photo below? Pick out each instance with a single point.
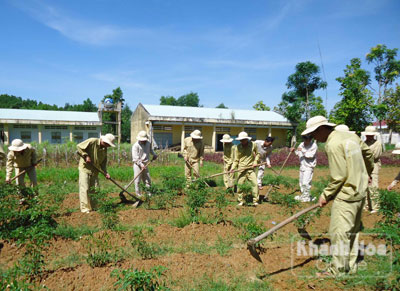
(138, 122)
(40, 132)
(280, 136)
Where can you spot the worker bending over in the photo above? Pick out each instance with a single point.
(93, 151)
(264, 148)
(228, 160)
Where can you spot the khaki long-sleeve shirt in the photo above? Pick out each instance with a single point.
(245, 156)
(376, 148)
(229, 149)
(193, 151)
(92, 148)
(141, 153)
(23, 159)
(265, 152)
(350, 164)
(307, 155)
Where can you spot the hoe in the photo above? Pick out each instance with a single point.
(112, 180)
(24, 171)
(251, 244)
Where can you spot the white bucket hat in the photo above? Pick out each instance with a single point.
(17, 145)
(196, 134)
(343, 127)
(396, 149)
(226, 138)
(109, 139)
(314, 122)
(370, 130)
(142, 136)
(243, 135)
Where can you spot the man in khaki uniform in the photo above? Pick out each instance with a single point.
(396, 180)
(372, 140)
(193, 153)
(21, 156)
(94, 151)
(246, 155)
(141, 156)
(350, 164)
(264, 148)
(228, 160)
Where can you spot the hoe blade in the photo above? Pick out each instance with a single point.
(251, 246)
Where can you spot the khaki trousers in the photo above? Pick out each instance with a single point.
(248, 175)
(195, 166)
(373, 193)
(344, 232)
(88, 182)
(144, 177)
(21, 179)
(228, 178)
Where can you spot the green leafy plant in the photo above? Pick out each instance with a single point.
(145, 249)
(197, 196)
(140, 279)
(249, 227)
(99, 250)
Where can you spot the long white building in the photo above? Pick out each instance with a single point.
(46, 125)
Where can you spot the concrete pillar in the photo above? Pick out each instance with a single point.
(71, 136)
(40, 127)
(214, 139)
(270, 131)
(182, 136)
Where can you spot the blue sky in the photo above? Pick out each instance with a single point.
(235, 52)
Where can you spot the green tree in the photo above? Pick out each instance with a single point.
(117, 96)
(379, 110)
(191, 99)
(126, 124)
(222, 105)
(295, 104)
(354, 108)
(393, 113)
(168, 100)
(387, 68)
(260, 106)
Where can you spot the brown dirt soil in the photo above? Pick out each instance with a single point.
(194, 256)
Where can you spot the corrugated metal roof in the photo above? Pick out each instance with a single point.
(48, 115)
(213, 113)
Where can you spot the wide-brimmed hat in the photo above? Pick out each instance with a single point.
(343, 127)
(196, 134)
(243, 135)
(370, 130)
(226, 138)
(17, 145)
(142, 136)
(396, 149)
(108, 139)
(314, 122)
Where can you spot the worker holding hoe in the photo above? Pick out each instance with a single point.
(193, 153)
(372, 140)
(93, 153)
(350, 165)
(307, 153)
(246, 155)
(141, 156)
(264, 148)
(396, 180)
(228, 160)
(21, 156)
